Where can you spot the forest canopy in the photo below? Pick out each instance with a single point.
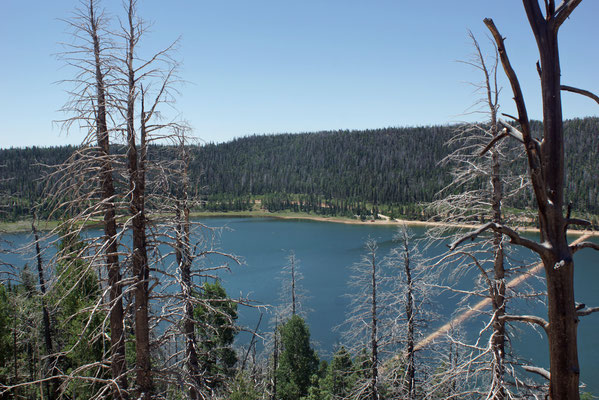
(342, 170)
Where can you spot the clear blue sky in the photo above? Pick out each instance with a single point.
(294, 66)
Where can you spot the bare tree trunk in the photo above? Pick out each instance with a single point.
(292, 261)
(183, 256)
(547, 171)
(498, 291)
(275, 362)
(188, 326)
(117, 338)
(15, 348)
(373, 330)
(546, 167)
(51, 385)
(410, 368)
(559, 265)
(140, 267)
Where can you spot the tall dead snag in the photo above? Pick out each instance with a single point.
(363, 321)
(479, 189)
(117, 337)
(410, 317)
(405, 311)
(139, 257)
(183, 254)
(51, 385)
(546, 169)
(292, 295)
(373, 323)
(93, 165)
(189, 310)
(142, 79)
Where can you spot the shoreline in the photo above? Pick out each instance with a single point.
(24, 226)
(388, 222)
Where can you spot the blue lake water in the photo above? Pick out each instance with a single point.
(326, 252)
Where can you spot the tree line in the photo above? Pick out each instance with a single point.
(332, 173)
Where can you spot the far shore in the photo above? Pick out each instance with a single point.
(23, 226)
(392, 222)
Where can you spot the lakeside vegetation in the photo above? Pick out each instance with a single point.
(337, 173)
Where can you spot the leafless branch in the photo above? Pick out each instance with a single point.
(537, 370)
(581, 92)
(515, 238)
(563, 12)
(530, 319)
(583, 245)
(587, 311)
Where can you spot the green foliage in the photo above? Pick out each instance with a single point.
(243, 389)
(20, 335)
(5, 332)
(345, 173)
(298, 361)
(340, 378)
(216, 316)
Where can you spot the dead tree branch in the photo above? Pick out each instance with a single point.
(583, 245)
(587, 311)
(582, 92)
(537, 370)
(515, 238)
(530, 319)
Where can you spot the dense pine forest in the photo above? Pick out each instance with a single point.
(333, 173)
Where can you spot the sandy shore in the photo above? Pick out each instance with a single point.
(25, 226)
(397, 222)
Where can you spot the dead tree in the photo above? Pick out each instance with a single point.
(51, 360)
(118, 364)
(406, 307)
(480, 188)
(89, 106)
(410, 317)
(196, 255)
(136, 160)
(292, 295)
(183, 253)
(546, 169)
(142, 80)
(363, 330)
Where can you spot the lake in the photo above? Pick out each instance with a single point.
(326, 252)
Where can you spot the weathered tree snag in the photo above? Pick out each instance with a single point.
(546, 168)
(374, 341)
(292, 265)
(51, 385)
(410, 341)
(117, 338)
(184, 261)
(275, 358)
(139, 261)
(497, 292)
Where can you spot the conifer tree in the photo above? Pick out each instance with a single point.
(298, 361)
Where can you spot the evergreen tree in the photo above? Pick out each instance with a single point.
(243, 389)
(216, 331)
(5, 333)
(298, 361)
(340, 378)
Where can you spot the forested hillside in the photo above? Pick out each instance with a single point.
(336, 172)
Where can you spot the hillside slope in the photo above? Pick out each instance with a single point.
(397, 166)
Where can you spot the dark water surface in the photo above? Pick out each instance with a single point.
(326, 252)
